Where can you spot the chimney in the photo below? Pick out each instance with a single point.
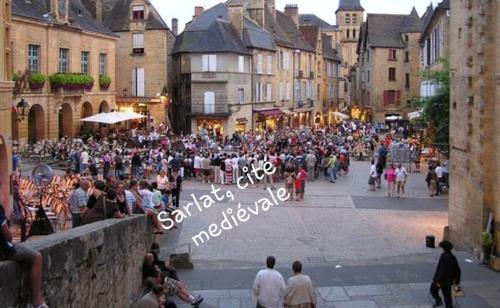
(292, 10)
(235, 13)
(197, 11)
(175, 26)
(98, 11)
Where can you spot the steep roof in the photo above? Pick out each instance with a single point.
(81, 19)
(384, 30)
(349, 5)
(430, 14)
(311, 19)
(292, 32)
(310, 33)
(117, 18)
(328, 51)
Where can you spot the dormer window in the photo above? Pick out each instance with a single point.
(138, 12)
(354, 19)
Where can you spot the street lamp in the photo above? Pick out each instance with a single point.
(124, 92)
(22, 109)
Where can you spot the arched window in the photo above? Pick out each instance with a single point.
(209, 103)
(347, 19)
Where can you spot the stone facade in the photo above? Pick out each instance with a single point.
(96, 265)
(349, 28)
(474, 126)
(389, 69)
(5, 103)
(434, 42)
(53, 115)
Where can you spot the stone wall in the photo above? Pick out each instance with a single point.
(474, 126)
(97, 265)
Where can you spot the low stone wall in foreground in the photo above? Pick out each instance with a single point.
(97, 265)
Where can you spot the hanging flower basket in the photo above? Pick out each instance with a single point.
(36, 81)
(104, 82)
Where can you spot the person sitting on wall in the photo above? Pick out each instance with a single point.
(166, 269)
(172, 286)
(28, 258)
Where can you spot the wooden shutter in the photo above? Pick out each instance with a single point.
(140, 81)
(269, 65)
(288, 90)
(398, 98)
(269, 92)
(205, 66)
(212, 63)
(134, 82)
(386, 98)
(241, 64)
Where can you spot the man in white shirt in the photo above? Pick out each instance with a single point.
(84, 161)
(269, 286)
(401, 176)
(439, 174)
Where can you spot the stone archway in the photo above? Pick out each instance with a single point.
(86, 111)
(104, 107)
(65, 120)
(36, 124)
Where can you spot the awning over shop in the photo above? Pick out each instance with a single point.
(415, 115)
(270, 113)
(340, 115)
(242, 120)
(113, 117)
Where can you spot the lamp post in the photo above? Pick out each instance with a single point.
(22, 109)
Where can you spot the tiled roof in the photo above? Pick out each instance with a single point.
(430, 14)
(310, 34)
(311, 19)
(384, 30)
(328, 51)
(349, 5)
(117, 19)
(38, 10)
(292, 32)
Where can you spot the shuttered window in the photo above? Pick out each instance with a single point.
(392, 97)
(138, 42)
(269, 92)
(138, 79)
(269, 65)
(209, 63)
(241, 64)
(209, 103)
(260, 63)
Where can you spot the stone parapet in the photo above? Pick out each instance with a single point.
(96, 265)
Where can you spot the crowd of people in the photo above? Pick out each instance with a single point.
(126, 172)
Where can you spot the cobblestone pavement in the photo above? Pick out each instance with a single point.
(360, 248)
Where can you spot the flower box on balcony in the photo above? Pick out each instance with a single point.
(104, 82)
(71, 82)
(36, 81)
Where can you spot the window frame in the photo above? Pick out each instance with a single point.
(209, 63)
(63, 61)
(103, 65)
(138, 15)
(84, 63)
(34, 60)
(392, 74)
(138, 43)
(209, 108)
(393, 55)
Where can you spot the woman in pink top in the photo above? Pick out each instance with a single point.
(390, 177)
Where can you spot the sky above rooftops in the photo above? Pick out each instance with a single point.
(325, 9)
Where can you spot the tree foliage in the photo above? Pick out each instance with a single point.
(436, 109)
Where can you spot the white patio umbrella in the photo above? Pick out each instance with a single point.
(113, 117)
(340, 115)
(393, 118)
(415, 115)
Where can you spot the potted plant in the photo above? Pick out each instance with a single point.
(36, 81)
(486, 243)
(104, 82)
(71, 82)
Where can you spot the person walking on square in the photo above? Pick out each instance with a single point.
(269, 286)
(390, 177)
(447, 274)
(299, 291)
(401, 178)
